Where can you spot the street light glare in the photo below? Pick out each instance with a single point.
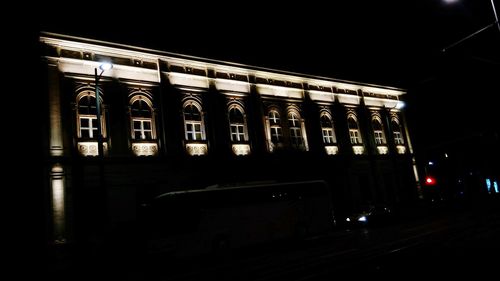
(105, 66)
(400, 105)
(450, 1)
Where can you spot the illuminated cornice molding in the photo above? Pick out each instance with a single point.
(97, 48)
(379, 102)
(226, 85)
(87, 68)
(348, 99)
(153, 57)
(319, 96)
(278, 91)
(182, 79)
(381, 91)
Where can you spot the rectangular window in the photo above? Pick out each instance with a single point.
(193, 130)
(276, 135)
(354, 136)
(88, 127)
(237, 133)
(398, 139)
(142, 129)
(295, 136)
(379, 137)
(328, 136)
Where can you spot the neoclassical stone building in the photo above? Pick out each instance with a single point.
(174, 122)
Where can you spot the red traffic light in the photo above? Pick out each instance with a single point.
(430, 180)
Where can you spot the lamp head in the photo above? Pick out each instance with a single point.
(105, 66)
(400, 105)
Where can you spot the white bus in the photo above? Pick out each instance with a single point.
(193, 222)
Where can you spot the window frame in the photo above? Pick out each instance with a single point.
(330, 137)
(144, 99)
(193, 134)
(89, 116)
(354, 133)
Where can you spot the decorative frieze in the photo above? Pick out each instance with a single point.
(241, 149)
(145, 149)
(332, 149)
(197, 149)
(89, 148)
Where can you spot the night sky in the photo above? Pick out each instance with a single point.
(451, 94)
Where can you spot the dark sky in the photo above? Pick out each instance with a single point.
(394, 43)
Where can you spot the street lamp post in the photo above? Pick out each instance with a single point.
(496, 16)
(102, 67)
(496, 22)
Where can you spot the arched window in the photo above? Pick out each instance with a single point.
(275, 126)
(378, 131)
(396, 131)
(141, 114)
(354, 134)
(294, 124)
(327, 129)
(87, 116)
(193, 122)
(237, 124)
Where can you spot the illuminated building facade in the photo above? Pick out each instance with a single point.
(173, 122)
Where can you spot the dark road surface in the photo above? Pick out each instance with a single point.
(444, 241)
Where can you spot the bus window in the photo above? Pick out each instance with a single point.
(195, 221)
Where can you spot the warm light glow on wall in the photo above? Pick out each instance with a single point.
(401, 149)
(358, 149)
(89, 148)
(331, 150)
(197, 149)
(241, 149)
(58, 204)
(382, 150)
(145, 149)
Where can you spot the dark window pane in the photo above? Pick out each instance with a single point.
(148, 135)
(85, 134)
(395, 126)
(235, 116)
(191, 112)
(326, 122)
(141, 109)
(137, 125)
(84, 122)
(147, 125)
(94, 123)
(376, 125)
(352, 123)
